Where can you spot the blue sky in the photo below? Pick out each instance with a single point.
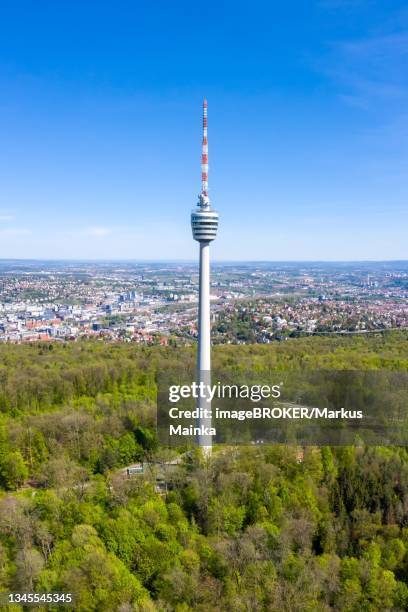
(100, 120)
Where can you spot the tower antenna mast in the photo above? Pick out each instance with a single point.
(204, 153)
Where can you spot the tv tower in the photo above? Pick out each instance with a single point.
(204, 223)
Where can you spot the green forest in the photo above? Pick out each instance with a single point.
(252, 529)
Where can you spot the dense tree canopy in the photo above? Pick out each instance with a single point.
(261, 528)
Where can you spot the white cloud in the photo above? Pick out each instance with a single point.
(98, 231)
(370, 70)
(15, 231)
(7, 217)
(95, 231)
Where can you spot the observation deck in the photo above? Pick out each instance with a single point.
(204, 223)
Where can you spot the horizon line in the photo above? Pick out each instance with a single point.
(254, 261)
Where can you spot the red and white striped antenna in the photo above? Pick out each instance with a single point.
(204, 154)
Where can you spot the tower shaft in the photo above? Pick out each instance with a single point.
(204, 327)
(204, 347)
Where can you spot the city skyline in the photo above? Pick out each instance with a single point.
(156, 302)
(98, 111)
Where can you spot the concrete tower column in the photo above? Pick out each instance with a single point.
(204, 346)
(204, 328)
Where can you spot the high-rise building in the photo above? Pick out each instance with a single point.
(204, 223)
